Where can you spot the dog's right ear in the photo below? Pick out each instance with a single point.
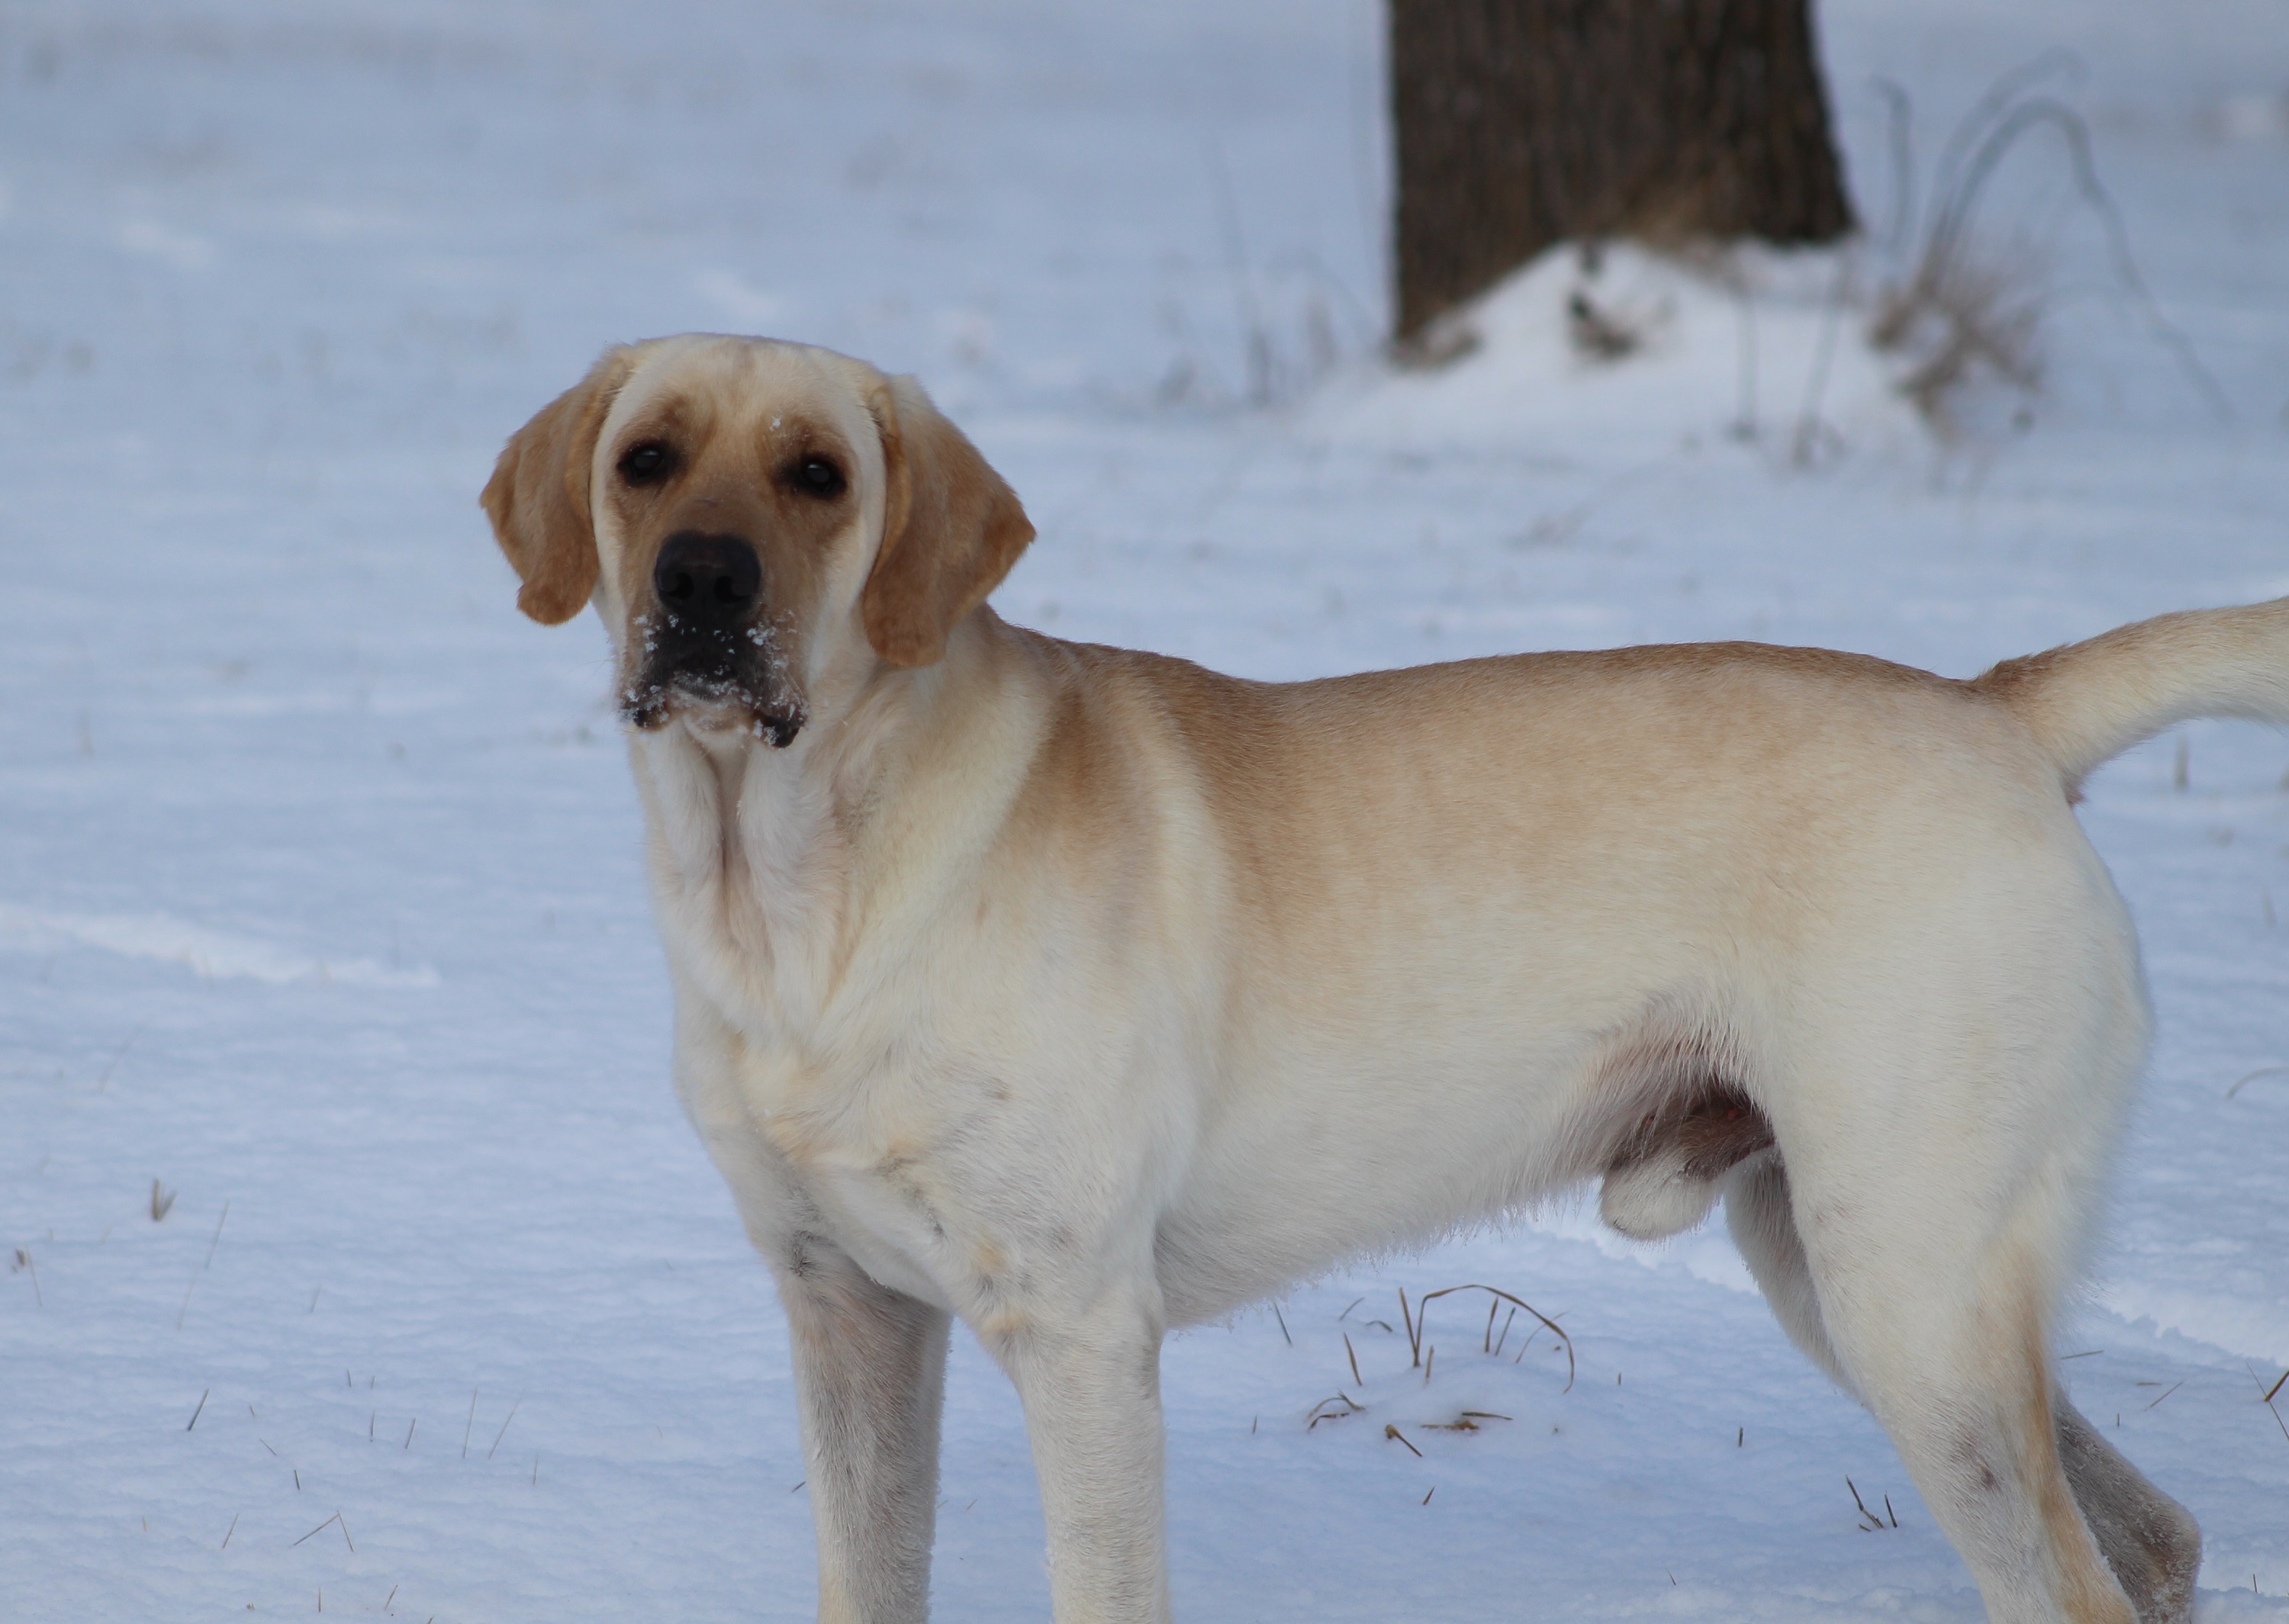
(538, 497)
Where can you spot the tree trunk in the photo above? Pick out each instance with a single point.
(1524, 122)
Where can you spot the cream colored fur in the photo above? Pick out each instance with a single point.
(1080, 993)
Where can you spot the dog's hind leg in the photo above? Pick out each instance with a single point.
(1763, 1227)
(2150, 1542)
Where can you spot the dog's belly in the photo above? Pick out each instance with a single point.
(1323, 1156)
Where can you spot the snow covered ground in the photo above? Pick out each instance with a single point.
(319, 896)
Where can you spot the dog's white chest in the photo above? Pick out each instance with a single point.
(856, 1161)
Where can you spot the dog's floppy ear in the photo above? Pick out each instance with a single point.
(538, 497)
(951, 529)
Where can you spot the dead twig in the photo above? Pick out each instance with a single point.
(1390, 1431)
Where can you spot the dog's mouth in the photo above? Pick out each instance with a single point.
(716, 677)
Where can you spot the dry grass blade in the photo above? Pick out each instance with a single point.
(1899, 114)
(1467, 1421)
(321, 1528)
(103, 1082)
(1959, 310)
(2253, 1076)
(2076, 134)
(216, 1239)
(1554, 1328)
(2265, 1398)
(1873, 1524)
(503, 1433)
(1390, 1431)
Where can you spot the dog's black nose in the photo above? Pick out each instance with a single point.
(711, 579)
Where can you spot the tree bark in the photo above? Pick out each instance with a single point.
(1524, 122)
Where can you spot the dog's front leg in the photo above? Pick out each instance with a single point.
(870, 1376)
(1090, 1381)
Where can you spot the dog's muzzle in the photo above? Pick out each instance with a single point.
(707, 643)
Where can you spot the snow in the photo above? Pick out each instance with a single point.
(320, 900)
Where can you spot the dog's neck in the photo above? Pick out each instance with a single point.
(763, 858)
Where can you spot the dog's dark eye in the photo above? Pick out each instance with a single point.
(815, 476)
(646, 463)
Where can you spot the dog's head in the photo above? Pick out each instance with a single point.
(746, 514)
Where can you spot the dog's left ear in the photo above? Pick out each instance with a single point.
(538, 497)
(951, 529)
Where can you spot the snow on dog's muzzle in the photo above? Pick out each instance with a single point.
(706, 644)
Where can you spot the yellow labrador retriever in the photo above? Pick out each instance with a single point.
(1082, 992)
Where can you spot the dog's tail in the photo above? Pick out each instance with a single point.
(2088, 702)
